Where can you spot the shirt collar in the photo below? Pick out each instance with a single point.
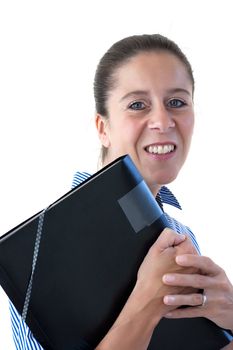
(165, 196)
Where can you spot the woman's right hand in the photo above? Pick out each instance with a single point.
(144, 308)
(159, 260)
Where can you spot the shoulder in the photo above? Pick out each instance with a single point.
(181, 228)
(165, 196)
(79, 177)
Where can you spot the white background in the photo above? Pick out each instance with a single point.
(48, 54)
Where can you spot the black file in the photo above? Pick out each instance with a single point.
(93, 241)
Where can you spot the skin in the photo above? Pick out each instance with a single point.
(217, 287)
(144, 308)
(151, 104)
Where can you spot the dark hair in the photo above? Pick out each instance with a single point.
(118, 54)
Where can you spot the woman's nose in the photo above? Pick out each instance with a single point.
(161, 119)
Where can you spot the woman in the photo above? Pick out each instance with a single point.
(144, 107)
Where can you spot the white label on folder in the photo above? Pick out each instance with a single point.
(140, 207)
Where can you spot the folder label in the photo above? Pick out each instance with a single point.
(140, 212)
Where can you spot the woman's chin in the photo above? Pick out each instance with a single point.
(155, 182)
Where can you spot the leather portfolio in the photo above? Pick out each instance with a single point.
(70, 268)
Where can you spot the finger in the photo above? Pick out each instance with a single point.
(188, 312)
(169, 238)
(195, 299)
(189, 280)
(205, 264)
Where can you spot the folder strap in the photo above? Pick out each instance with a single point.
(34, 260)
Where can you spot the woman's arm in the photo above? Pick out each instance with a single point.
(135, 324)
(144, 309)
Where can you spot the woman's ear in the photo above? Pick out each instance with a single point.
(102, 129)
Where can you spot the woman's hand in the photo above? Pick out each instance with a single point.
(212, 279)
(144, 308)
(160, 259)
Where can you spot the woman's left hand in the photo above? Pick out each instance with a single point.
(216, 302)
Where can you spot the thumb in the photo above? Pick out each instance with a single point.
(169, 238)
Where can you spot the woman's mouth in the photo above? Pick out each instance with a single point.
(160, 149)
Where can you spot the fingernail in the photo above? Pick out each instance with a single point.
(169, 299)
(168, 278)
(182, 236)
(169, 314)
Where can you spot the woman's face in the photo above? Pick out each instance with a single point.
(151, 116)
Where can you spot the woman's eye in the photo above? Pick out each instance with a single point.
(176, 103)
(137, 105)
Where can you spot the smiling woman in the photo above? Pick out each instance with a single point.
(152, 114)
(144, 107)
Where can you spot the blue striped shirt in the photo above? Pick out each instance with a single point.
(23, 337)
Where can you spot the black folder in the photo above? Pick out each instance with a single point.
(93, 241)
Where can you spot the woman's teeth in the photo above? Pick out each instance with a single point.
(161, 149)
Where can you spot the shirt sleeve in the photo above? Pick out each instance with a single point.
(22, 336)
(180, 228)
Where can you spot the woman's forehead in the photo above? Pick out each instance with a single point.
(151, 68)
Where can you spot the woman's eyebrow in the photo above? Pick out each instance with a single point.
(175, 90)
(146, 93)
(134, 93)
